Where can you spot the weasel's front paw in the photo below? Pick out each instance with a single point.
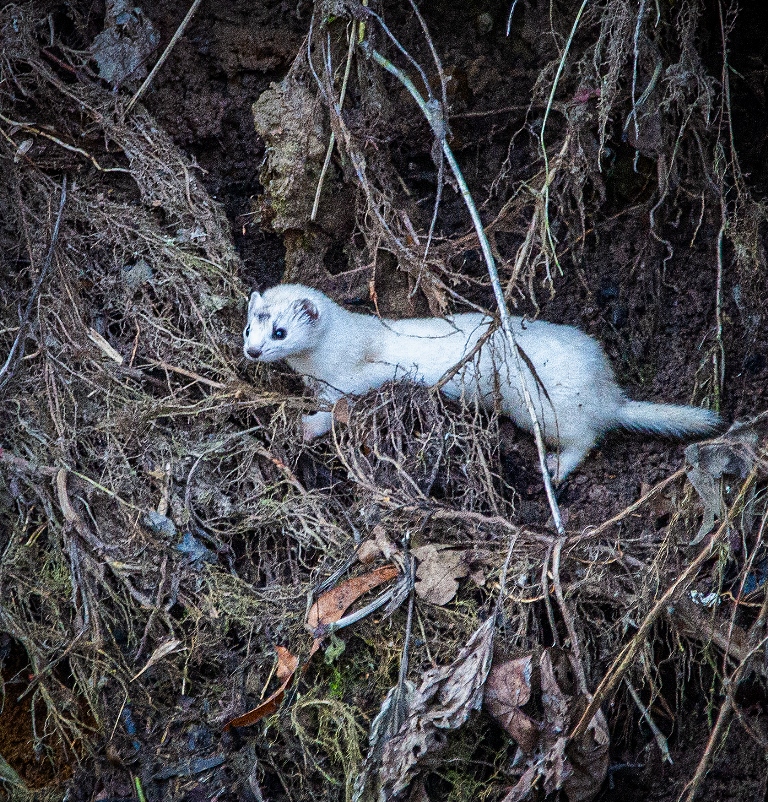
(316, 425)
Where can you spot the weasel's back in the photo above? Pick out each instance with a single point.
(424, 349)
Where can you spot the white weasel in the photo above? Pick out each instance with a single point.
(341, 353)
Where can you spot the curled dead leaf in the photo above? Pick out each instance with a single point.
(733, 454)
(440, 569)
(444, 700)
(286, 667)
(508, 688)
(587, 755)
(331, 605)
(367, 552)
(577, 767)
(328, 607)
(438, 573)
(286, 663)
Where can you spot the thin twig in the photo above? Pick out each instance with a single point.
(504, 571)
(548, 176)
(175, 38)
(509, 18)
(441, 165)
(756, 642)
(636, 41)
(627, 654)
(661, 741)
(36, 289)
(719, 356)
(62, 144)
(546, 596)
(433, 114)
(364, 44)
(402, 674)
(581, 676)
(593, 532)
(332, 140)
(188, 373)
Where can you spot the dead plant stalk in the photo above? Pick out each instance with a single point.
(19, 339)
(433, 112)
(175, 38)
(627, 654)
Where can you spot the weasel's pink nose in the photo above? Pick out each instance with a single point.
(254, 353)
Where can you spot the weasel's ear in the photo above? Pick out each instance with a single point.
(254, 302)
(306, 308)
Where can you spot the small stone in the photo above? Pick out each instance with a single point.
(484, 23)
(158, 524)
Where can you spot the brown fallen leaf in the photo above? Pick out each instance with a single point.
(368, 552)
(438, 573)
(577, 767)
(286, 663)
(524, 785)
(553, 665)
(441, 567)
(341, 411)
(331, 605)
(388, 548)
(286, 667)
(587, 754)
(508, 688)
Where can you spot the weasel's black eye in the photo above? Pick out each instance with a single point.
(279, 334)
(247, 330)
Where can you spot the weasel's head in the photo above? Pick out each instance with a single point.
(283, 322)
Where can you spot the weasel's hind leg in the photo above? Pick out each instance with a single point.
(568, 457)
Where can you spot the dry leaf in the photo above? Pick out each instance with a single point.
(385, 725)
(524, 785)
(444, 701)
(331, 605)
(22, 150)
(587, 756)
(286, 667)
(388, 548)
(508, 688)
(440, 568)
(438, 572)
(577, 767)
(553, 699)
(477, 575)
(341, 410)
(732, 455)
(286, 663)
(367, 552)
(160, 652)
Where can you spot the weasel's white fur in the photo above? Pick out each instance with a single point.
(343, 353)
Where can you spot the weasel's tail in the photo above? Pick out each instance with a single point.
(671, 420)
